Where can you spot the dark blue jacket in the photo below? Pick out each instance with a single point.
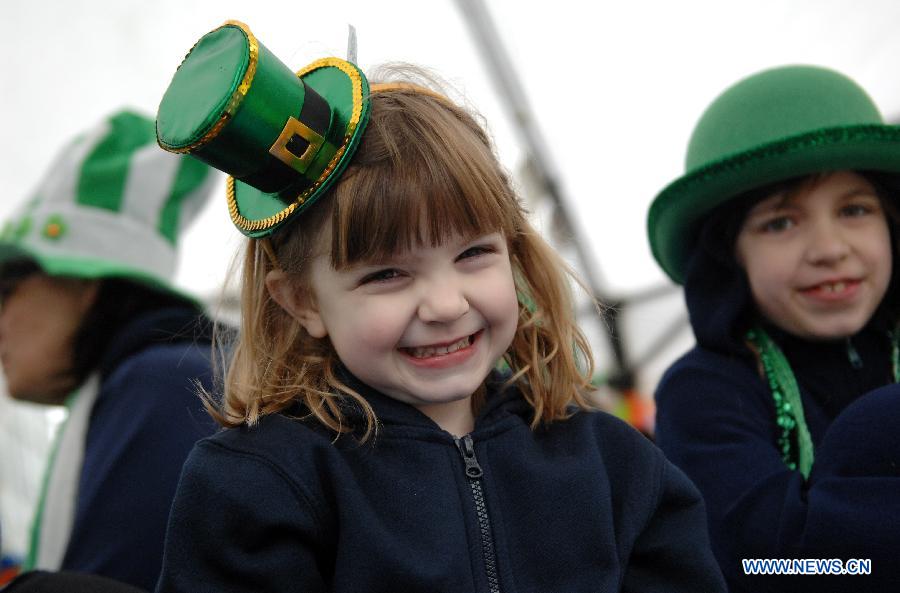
(586, 504)
(716, 421)
(145, 420)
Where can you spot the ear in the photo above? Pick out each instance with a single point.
(297, 301)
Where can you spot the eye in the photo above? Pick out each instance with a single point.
(476, 251)
(385, 275)
(856, 210)
(776, 224)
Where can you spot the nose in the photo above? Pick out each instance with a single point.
(442, 301)
(827, 244)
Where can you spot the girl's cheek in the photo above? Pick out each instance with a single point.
(382, 324)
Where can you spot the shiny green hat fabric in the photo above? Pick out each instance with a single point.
(775, 125)
(282, 137)
(111, 204)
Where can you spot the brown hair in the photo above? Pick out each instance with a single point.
(424, 171)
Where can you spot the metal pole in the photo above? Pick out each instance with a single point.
(503, 74)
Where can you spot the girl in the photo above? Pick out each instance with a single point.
(371, 445)
(791, 195)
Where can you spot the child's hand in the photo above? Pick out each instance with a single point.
(864, 440)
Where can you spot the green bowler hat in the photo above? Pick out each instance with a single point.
(282, 137)
(778, 124)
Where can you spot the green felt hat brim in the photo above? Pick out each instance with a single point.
(337, 87)
(678, 210)
(88, 269)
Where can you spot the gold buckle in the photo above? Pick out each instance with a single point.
(295, 127)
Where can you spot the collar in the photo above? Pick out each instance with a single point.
(502, 402)
(836, 372)
(162, 326)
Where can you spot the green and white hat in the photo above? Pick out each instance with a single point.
(112, 204)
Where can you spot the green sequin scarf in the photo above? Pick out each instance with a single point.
(794, 440)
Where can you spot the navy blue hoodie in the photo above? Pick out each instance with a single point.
(145, 420)
(585, 504)
(716, 420)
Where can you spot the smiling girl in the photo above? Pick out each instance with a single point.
(372, 444)
(782, 232)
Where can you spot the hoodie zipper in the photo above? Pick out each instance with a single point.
(474, 473)
(853, 356)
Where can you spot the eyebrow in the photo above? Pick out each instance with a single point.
(412, 254)
(768, 205)
(861, 191)
(786, 201)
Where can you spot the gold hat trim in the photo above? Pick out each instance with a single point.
(237, 97)
(258, 225)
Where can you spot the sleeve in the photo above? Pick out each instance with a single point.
(714, 424)
(854, 494)
(672, 553)
(239, 525)
(146, 420)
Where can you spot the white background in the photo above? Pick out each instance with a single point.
(616, 86)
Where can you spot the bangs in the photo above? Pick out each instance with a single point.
(417, 181)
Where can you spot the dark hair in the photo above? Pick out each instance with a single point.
(887, 187)
(118, 302)
(12, 272)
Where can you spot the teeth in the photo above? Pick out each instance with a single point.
(836, 287)
(427, 351)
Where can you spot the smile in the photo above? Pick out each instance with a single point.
(421, 352)
(832, 290)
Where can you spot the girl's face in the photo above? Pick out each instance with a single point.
(819, 262)
(425, 326)
(39, 317)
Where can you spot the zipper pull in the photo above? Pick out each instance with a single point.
(467, 450)
(853, 356)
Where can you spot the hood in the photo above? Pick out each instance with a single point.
(716, 289)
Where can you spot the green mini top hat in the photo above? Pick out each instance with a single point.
(282, 137)
(774, 125)
(111, 204)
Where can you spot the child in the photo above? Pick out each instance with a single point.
(90, 319)
(371, 444)
(783, 234)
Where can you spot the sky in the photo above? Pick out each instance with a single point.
(615, 89)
